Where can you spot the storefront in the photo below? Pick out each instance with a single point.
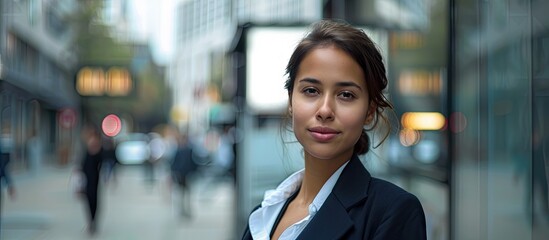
(476, 71)
(36, 84)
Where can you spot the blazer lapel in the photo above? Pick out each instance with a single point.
(332, 220)
(353, 183)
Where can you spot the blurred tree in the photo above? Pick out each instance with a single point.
(93, 42)
(95, 46)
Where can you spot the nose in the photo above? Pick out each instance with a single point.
(325, 110)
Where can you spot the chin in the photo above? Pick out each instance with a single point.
(327, 153)
(324, 153)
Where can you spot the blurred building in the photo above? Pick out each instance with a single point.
(36, 82)
(200, 74)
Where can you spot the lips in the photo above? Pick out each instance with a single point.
(323, 134)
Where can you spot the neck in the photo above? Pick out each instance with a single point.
(317, 172)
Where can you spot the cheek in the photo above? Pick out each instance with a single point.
(353, 120)
(302, 115)
(299, 114)
(354, 127)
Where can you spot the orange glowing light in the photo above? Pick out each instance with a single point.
(95, 81)
(423, 120)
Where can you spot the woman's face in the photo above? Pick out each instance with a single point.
(329, 103)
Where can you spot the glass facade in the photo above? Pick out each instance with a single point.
(35, 79)
(500, 88)
(481, 67)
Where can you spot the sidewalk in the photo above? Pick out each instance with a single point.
(45, 208)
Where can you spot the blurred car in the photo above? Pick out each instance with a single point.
(133, 148)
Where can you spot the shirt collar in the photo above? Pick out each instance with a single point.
(293, 182)
(284, 190)
(261, 221)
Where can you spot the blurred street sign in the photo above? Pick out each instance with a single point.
(111, 125)
(67, 118)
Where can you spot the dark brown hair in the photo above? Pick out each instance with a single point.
(362, 49)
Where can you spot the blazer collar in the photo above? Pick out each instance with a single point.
(332, 220)
(352, 186)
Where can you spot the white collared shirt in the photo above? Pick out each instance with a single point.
(262, 220)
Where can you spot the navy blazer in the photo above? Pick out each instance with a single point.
(363, 207)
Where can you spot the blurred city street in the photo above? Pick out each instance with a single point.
(155, 84)
(45, 208)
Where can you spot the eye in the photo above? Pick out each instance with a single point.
(347, 95)
(310, 91)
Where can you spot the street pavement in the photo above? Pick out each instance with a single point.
(130, 208)
(133, 209)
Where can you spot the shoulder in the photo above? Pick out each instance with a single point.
(386, 191)
(385, 188)
(392, 199)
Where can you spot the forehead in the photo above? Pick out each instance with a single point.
(330, 63)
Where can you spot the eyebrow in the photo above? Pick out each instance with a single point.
(339, 84)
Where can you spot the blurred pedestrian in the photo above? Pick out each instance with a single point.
(90, 167)
(5, 177)
(6, 147)
(34, 151)
(220, 167)
(110, 161)
(224, 156)
(182, 166)
(156, 151)
(336, 79)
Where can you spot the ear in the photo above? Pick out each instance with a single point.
(290, 104)
(370, 113)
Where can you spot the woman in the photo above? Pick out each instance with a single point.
(91, 166)
(336, 79)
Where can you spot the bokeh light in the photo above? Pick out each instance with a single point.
(423, 120)
(111, 125)
(409, 137)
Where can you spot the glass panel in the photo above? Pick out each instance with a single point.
(540, 130)
(508, 65)
(500, 87)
